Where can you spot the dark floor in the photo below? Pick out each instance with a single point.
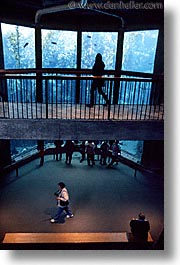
(102, 200)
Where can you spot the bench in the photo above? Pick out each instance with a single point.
(72, 241)
(64, 237)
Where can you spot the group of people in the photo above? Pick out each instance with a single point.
(108, 151)
(139, 226)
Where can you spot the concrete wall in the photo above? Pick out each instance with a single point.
(81, 130)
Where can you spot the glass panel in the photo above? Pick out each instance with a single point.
(18, 46)
(99, 42)
(59, 49)
(139, 51)
(22, 148)
(132, 150)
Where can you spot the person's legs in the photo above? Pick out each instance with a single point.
(42, 160)
(92, 159)
(112, 161)
(103, 94)
(67, 157)
(70, 158)
(82, 157)
(88, 159)
(60, 154)
(68, 211)
(58, 214)
(104, 160)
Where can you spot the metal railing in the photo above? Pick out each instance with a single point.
(57, 96)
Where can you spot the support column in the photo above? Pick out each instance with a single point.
(3, 84)
(157, 91)
(38, 52)
(5, 153)
(119, 55)
(153, 155)
(79, 49)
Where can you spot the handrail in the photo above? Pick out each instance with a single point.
(70, 77)
(78, 72)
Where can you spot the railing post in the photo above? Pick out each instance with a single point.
(110, 95)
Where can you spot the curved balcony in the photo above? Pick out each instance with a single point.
(61, 97)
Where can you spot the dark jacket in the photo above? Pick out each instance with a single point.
(140, 228)
(98, 68)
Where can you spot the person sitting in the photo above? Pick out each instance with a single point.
(140, 228)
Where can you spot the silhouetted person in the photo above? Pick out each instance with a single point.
(90, 153)
(98, 71)
(82, 151)
(69, 149)
(140, 227)
(115, 151)
(104, 152)
(58, 150)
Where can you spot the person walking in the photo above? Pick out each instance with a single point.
(62, 197)
(98, 82)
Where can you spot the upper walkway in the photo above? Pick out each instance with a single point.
(54, 95)
(53, 104)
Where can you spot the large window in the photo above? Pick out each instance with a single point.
(59, 49)
(99, 42)
(18, 46)
(139, 51)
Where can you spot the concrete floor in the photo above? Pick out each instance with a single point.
(102, 200)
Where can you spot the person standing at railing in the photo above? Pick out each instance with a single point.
(98, 82)
(69, 149)
(90, 146)
(104, 152)
(116, 151)
(58, 150)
